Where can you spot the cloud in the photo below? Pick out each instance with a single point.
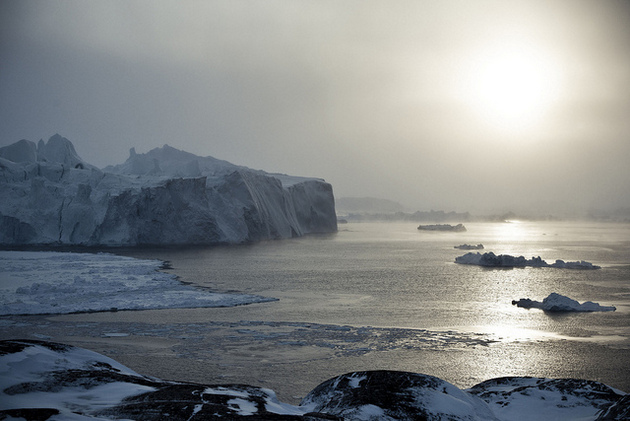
(369, 95)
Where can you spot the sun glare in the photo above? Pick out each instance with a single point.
(512, 89)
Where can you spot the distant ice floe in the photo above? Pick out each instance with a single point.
(60, 283)
(469, 247)
(559, 303)
(442, 227)
(505, 260)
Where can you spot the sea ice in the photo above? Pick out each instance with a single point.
(559, 303)
(58, 283)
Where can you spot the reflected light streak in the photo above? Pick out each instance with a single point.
(504, 333)
(511, 231)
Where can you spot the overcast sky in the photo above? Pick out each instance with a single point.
(453, 105)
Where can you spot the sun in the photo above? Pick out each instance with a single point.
(512, 89)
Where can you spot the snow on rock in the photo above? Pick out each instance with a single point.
(60, 283)
(46, 380)
(559, 303)
(393, 395)
(539, 399)
(505, 260)
(40, 380)
(617, 412)
(166, 196)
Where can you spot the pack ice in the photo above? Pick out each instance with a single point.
(50, 196)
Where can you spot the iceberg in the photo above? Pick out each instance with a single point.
(49, 380)
(442, 227)
(469, 247)
(573, 265)
(505, 260)
(559, 303)
(164, 197)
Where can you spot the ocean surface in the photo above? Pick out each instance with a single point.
(376, 296)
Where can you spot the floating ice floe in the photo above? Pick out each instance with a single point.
(469, 247)
(490, 259)
(47, 380)
(59, 283)
(442, 227)
(559, 303)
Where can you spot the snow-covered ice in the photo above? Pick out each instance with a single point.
(165, 196)
(559, 303)
(505, 260)
(56, 282)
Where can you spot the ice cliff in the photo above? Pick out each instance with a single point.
(50, 196)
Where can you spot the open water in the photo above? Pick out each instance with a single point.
(379, 296)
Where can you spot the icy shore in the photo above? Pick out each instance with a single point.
(164, 197)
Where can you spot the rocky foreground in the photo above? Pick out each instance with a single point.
(51, 381)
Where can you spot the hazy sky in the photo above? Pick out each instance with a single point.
(453, 105)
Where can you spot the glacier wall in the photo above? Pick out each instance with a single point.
(50, 196)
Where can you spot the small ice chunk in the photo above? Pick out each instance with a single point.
(559, 303)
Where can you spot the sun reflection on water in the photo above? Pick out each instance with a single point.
(511, 231)
(507, 333)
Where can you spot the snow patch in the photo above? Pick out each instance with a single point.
(243, 407)
(535, 399)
